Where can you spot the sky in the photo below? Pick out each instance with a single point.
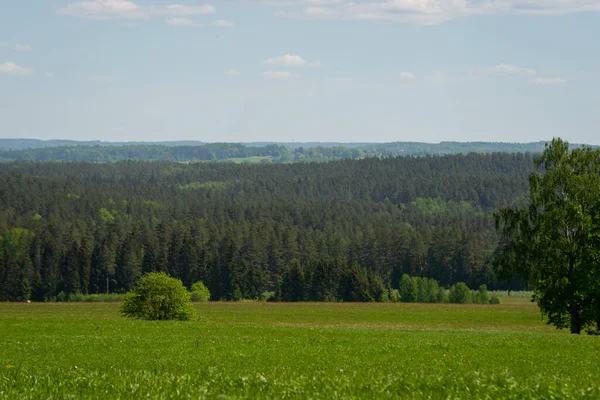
(300, 70)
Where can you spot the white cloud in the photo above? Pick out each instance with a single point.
(49, 74)
(232, 72)
(278, 74)
(429, 12)
(22, 47)
(407, 76)
(509, 69)
(186, 22)
(514, 70)
(549, 81)
(103, 78)
(322, 2)
(291, 60)
(177, 9)
(221, 23)
(10, 68)
(124, 9)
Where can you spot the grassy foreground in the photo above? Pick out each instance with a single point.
(263, 350)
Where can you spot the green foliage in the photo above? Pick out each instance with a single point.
(356, 286)
(481, 296)
(394, 295)
(200, 292)
(494, 299)
(78, 297)
(25, 290)
(157, 296)
(549, 242)
(208, 185)
(106, 216)
(409, 290)
(104, 225)
(432, 294)
(460, 293)
(293, 285)
(424, 290)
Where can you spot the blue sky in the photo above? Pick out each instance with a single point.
(304, 70)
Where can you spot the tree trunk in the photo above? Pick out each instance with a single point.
(575, 322)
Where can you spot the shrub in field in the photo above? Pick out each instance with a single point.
(481, 296)
(385, 296)
(442, 296)
(494, 299)
(200, 292)
(377, 287)
(433, 289)
(157, 296)
(394, 295)
(409, 291)
(422, 289)
(76, 297)
(460, 293)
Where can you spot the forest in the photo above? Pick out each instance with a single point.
(259, 152)
(248, 229)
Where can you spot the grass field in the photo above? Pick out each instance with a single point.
(264, 350)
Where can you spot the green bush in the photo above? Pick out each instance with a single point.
(442, 296)
(409, 292)
(394, 295)
(200, 292)
(494, 299)
(157, 296)
(76, 297)
(482, 296)
(432, 293)
(460, 293)
(62, 296)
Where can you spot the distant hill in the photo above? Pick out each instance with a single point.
(20, 144)
(192, 151)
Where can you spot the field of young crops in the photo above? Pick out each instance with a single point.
(265, 350)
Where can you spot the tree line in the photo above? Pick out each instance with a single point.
(187, 151)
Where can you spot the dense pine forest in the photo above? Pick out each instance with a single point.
(301, 230)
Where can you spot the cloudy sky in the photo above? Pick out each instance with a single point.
(304, 70)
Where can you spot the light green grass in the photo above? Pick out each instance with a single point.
(264, 350)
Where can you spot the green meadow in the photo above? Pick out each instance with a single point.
(283, 351)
